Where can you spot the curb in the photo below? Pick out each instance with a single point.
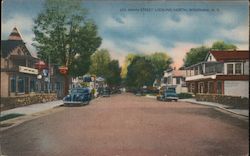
(219, 108)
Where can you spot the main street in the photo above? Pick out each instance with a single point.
(129, 125)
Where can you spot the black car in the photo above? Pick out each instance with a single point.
(78, 96)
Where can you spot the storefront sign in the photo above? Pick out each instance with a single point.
(28, 70)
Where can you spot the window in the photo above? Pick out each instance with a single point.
(178, 80)
(21, 85)
(238, 68)
(210, 87)
(13, 84)
(32, 85)
(219, 87)
(230, 68)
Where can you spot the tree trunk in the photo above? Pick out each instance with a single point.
(66, 84)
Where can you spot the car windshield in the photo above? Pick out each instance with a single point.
(79, 91)
(170, 91)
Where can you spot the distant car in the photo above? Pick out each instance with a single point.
(168, 95)
(105, 92)
(78, 96)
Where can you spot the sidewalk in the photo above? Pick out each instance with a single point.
(242, 112)
(34, 108)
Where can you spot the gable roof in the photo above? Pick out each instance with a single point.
(15, 40)
(15, 35)
(230, 55)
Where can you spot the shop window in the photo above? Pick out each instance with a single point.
(21, 85)
(238, 68)
(32, 85)
(13, 84)
(230, 68)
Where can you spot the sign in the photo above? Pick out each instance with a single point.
(28, 70)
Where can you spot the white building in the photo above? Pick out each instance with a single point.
(175, 78)
(222, 72)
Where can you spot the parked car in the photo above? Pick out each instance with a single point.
(105, 92)
(78, 96)
(168, 94)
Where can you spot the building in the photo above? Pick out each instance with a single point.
(18, 74)
(175, 78)
(222, 72)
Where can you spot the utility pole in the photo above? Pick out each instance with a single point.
(49, 76)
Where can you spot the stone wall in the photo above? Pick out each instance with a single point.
(18, 101)
(236, 102)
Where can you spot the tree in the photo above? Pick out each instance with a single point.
(160, 61)
(195, 55)
(63, 33)
(198, 54)
(221, 45)
(140, 72)
(129, 58)
(100, 63)
(114, 76)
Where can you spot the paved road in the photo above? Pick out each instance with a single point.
(127, 125)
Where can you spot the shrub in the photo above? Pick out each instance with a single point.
(185, 95)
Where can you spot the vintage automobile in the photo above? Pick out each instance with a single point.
(168, 94)
(106, 92)
(78, 96)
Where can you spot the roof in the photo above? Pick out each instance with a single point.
(8, 45)
(15, 40)
(179, 73)
(231, 55)
(15, 35)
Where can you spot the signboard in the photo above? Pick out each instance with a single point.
(28, 70)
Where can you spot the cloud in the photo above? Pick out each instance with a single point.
(119, 21)
(179, 51)
(180, 22)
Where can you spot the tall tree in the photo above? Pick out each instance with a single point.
(161, 61)
(195, 55)
(140, 72)
(129, 58)
(100, 63)
(63, 32)
(114, 76)
(221, 45)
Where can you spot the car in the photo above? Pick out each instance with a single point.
(167, 94)
(78, 96)
(105, 92)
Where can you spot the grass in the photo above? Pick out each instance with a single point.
(10, 116)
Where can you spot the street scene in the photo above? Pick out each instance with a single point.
(116, 78)
(125, 124)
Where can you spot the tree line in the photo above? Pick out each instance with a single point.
(65, 34)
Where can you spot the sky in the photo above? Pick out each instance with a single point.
(145, 27)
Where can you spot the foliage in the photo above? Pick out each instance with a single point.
(185, 96)
(221, 45)
(198, 54)
(113, 78)
(129, 58)
(100, 63)
(63, 32)
(140, 72)
(160, 61)
(195, 55)
(10, 116)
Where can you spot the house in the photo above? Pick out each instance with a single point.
(222, 72)
(18, 73)
(175, 78)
